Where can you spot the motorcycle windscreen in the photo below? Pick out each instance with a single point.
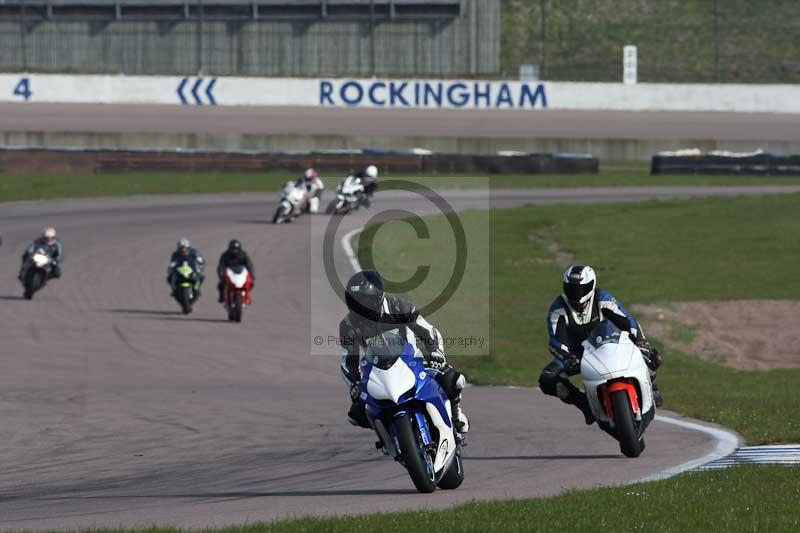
(390, 377)
(237, 275)
(607, 350)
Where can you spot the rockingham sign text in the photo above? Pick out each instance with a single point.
(201, 91)
(432, 94)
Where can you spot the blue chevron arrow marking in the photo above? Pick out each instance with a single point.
(181, 86)
(195, 88)
(209, 90)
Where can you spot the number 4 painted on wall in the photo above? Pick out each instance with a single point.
(23, 89)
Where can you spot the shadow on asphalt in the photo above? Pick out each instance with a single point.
(151, 312)
(542, 457)
(242, 494)
(154, 314)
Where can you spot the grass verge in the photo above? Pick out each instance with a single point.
(723, 500)
(652, 252)
(16, 188)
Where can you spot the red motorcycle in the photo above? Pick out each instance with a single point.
(238, 284)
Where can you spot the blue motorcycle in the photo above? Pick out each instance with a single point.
(410, 413)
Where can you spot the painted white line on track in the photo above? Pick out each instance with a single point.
(348, 248)
(727, 440)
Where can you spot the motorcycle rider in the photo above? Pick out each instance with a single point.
(369, 179)
(234, 256)
(184, 252)
(571, 318)
(50, 244)
(372, 312)
(313, 186)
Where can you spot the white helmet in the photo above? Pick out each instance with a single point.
(310, 174)
(372, 171)
(49, 233)
(580, 282)
(184, 243)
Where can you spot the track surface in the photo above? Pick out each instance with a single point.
(118, 411)
(402, 122)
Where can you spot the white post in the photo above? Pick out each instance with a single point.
(629, 65)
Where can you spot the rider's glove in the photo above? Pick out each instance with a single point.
(650, 354)
(437, 360)
(355, 392)
(572, 364)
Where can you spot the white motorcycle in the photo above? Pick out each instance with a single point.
(293, 202)
(350, 195)
(618, 386)
(410, 413)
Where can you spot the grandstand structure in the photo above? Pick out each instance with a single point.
(441, 38)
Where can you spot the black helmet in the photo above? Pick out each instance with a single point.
(235, 246)
(364, 293)
(579, 285)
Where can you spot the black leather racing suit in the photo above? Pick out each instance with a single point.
(230, 259)
(370, 184)
(397, 314)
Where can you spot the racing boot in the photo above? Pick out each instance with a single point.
(657, 398)
(357, 415)
(572, 395)
(379, 445)
(583, 405)
(220, 297)
(460, 420)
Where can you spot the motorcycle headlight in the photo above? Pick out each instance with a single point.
(40, 260)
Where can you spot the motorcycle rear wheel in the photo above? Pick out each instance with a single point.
(414, 456)
(454, 476)
(627, 431)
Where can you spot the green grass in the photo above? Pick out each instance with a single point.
(675, 39)
(15, 188)
(653, 252)
(736, 499)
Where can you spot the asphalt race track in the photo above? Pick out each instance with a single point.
(104, 118)
(115, 410)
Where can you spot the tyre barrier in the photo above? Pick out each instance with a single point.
(755, 164)
(65, 161)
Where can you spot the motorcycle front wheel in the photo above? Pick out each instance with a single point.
(418, 462)
(235, 311)
(627, 431)
(33, 282)
(185, 299)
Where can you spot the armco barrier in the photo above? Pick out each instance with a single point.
(84, 162)
(755, 165)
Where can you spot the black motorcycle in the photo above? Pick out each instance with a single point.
(36, 272)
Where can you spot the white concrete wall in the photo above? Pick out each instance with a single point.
(398, 93)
